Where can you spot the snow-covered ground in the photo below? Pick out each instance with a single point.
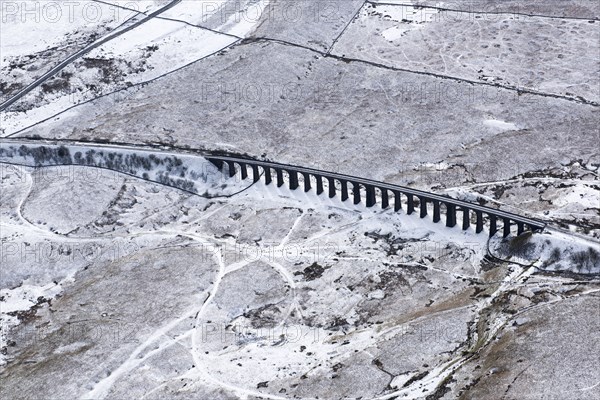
(483, 47)
(338, 291)
(114, 285)
(161, 45)
(184, 171)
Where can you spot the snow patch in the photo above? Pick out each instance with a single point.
(408, 18)
(500, 125)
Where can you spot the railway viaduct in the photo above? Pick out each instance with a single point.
(360, 190)
(374, 193)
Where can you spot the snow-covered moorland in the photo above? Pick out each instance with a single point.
(338, 291)
(143, 272)
(173, 39)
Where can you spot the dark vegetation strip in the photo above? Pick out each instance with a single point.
(417, 6)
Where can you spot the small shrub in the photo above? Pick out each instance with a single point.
(554, 257)
(587, 260)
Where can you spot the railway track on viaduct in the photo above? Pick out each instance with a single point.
(358, 190)
(373, 193)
